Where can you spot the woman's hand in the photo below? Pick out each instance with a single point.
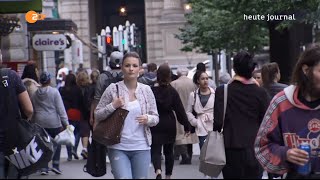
(297, 156)
(118, 102)
(143, 119)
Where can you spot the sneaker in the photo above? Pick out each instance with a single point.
(84, 154)
(56, 170)
(43, 173)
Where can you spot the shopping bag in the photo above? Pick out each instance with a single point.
(96, 162)
(66, 137)
(212, 155)
(32, 151)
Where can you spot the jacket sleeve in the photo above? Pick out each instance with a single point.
(180, 111)
(269, 147)
(193, 120)
(218, 109)
(152, 110)
(105, 107)
(60, 109)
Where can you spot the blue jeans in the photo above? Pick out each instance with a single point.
(57, 148)
(130, 164)
(201, 140)
(76, 132)
(7, 170)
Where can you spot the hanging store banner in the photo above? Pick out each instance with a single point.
(49, 42)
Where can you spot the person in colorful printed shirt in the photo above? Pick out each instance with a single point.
(292, 118)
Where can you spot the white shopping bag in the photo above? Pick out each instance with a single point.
(66, 137)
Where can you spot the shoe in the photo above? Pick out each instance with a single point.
(176, 157)
(43, 173)
(84, 154)
(159, 176)
(75, 155)
(185, 161)
(56, 170)
(69, 158)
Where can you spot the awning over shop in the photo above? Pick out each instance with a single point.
(19, 6)
(53, 25)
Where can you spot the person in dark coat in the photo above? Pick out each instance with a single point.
(164, 134)
(246, 106)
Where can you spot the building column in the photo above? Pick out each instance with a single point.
(173, 10)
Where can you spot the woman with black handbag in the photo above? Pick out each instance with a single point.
(131, 157)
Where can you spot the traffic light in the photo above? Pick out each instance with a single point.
(109, 45)
(108, 40)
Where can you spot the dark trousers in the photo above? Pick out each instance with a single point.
(57, 148)
(183, 150)
(241, 164)
(156, 157)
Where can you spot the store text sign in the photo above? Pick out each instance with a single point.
(49, 42)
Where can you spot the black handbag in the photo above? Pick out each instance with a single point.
(96, 163)
(108, 131)
(28, 146)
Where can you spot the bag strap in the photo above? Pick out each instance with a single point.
(117, 90)
(194, 99)
(225, 100)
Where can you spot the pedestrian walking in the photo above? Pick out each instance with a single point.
(83, 81)
(246, 106)
(131, 157)
(21, 97)
(271, 76)
(49, 113)
(164, 134)
(292, 119)
(184, 144)
(200, 106)
(73, 102)
(30, 78)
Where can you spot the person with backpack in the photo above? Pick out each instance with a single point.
(131, 157)
(10, 81)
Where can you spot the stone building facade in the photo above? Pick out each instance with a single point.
(163, 19)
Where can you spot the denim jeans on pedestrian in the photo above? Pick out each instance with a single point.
(201, 140)
(130, 164)
(57, 148)
(7, 170)
(76, 132)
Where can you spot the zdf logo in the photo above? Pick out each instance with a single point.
(32, 17)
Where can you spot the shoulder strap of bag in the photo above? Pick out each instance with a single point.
(117, 90)
(194, 99)
(225, 100)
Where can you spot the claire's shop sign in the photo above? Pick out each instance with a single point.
(49, 42)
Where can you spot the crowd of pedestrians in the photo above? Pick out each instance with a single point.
(264, 123)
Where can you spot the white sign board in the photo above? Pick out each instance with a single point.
(49, 42)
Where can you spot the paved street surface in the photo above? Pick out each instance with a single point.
(73, 170)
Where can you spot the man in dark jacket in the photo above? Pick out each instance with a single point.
(246, 106)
